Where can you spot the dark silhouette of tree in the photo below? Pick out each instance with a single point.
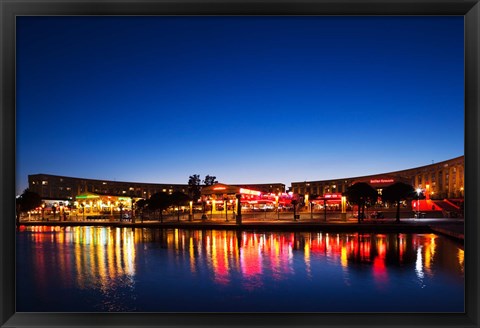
(361, 193)
(159, 202)
(27, 201)
(210, 180)
(194, 187)
(178, 199)
(140, 205)
(397, 192)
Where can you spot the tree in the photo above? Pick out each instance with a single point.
(140, 205)
(194, 187)
(361, 193)
(397, 192)
(178, 199)
(159, 201)
(210, 180)
(27, 201)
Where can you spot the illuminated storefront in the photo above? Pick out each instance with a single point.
(217, 196)
(94, 204)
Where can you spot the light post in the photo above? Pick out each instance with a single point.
(344, 208)
(238, 219)
(233, 208)
(325, 208)
(121, 211)
(190, 217)
(311, 210)
(131, 208)
(418, 202)
(211, 209)
(278, 207)
(225, 199)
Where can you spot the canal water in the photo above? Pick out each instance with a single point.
(105, 269)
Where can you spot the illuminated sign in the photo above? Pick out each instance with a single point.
(219, 188)
(382, 181)
(250, 192)
(88, 196)
(336, 195)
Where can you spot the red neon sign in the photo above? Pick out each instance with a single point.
(382, 181)
(336, 195)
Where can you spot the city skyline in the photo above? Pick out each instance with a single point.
(246, 99)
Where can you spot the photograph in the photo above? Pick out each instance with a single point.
(250, 164)
(240, 164)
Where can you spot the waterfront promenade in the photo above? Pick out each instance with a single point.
(450, 227)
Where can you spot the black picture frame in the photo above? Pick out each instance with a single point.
(9, 9)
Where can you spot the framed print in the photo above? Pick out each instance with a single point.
(264, 163)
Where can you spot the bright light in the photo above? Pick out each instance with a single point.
(250, 192)
(419, 191)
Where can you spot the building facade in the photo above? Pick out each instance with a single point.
(62, 187)
(441, 180)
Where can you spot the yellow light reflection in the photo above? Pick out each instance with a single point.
(343, 257)
(306, 250)
(461, 258)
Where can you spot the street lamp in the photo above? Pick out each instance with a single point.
(418, 190)
(278, 207)
(225, 199)
(311, 210)
(190, 217)
(121, 211)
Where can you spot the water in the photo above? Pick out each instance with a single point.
(90, 269)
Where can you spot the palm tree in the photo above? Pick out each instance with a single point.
(361, 193)
(194, 187)
(397, 192)
(210, 180)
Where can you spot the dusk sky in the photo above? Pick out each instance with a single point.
(246, 99)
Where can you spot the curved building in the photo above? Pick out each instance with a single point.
(440, 180)
(62, 187)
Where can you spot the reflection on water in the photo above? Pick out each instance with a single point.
(120, 269)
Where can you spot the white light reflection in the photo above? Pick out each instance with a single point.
(419, 265)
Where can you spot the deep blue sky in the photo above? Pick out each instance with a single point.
(247, 99)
